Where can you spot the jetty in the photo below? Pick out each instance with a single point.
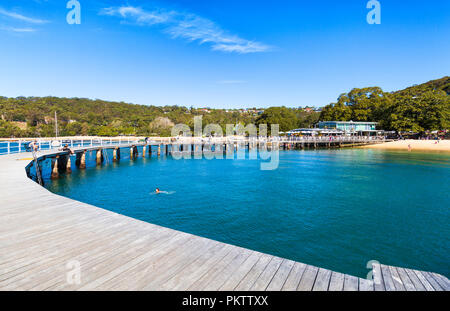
(51, 243)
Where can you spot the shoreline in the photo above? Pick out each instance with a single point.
(416, 145)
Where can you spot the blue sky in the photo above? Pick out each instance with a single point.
(219, 53)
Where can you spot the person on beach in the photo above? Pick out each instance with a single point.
(409, 148)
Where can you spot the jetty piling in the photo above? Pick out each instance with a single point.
(99, 157)
(68, 165)
(115, 154)
(83, 160)
(55, 171)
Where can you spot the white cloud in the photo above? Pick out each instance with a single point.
(17, 30)
(21, 17)
(232, 82)
(188, 26)
(140, 16)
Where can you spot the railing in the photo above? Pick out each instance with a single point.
(19, 146)
(332, 139)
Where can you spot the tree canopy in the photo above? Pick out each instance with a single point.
(417, 108)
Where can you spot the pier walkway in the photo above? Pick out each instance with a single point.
(45, 239)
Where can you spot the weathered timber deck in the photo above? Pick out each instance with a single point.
(40, 233)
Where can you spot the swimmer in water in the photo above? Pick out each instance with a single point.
(157, 191)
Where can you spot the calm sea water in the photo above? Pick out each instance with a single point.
(333, 209)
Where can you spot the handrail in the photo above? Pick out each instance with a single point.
(20, 145)
(12, 147)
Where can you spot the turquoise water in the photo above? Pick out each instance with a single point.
(333, 209)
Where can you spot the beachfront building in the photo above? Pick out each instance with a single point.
(314, 132)
(339, 128)
(351, 127)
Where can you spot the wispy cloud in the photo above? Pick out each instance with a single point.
(21, 17)
(137, 15)
(188, 26)
(20, 30)
(231, 82)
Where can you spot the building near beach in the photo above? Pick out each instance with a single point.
(350, 127)
(339, 128)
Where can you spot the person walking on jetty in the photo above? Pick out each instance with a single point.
(66, 148)
(34, 146)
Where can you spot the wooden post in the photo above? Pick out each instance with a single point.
(83, 160)
(150, 151)
(99, 156)
(144, 151)
(167, 149)
(68, 165)
(55, 172)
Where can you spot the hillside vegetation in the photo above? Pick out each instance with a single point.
(416, 108)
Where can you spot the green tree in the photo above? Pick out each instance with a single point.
(285, 117)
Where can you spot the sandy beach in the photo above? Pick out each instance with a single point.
(416, 145)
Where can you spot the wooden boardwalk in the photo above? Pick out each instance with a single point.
(44, 236)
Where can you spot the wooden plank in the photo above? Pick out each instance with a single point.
(443, 281)
(192, 272)
(398, 283)
(432, 281)
(294, 277)
(95, 264)
(138, 276)
(176, 263)
(74, 251)
(220, 279)
(388, 281)
(214, 271)
(415, 280)
(264, 279)
(378, 277)
(424, 281)
(281, 276)
(336, 282)
(409, 285)
(247, 282)
(308, 279)
(366, 285)
(241, 272)
(110, 267)
(322, 280)
(34, 266)
(351, 283)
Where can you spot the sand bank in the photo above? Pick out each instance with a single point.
(416, 145)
